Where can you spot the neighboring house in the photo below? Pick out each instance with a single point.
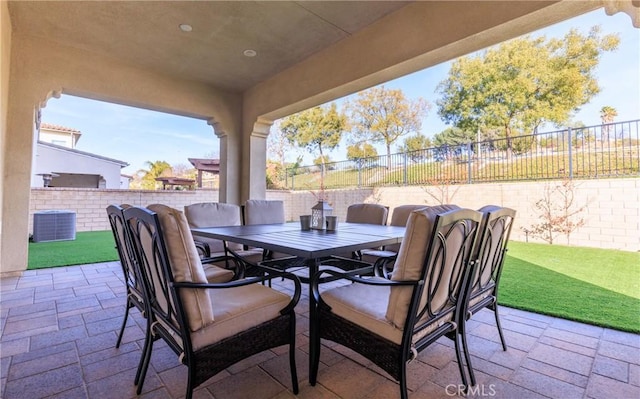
(59, 164)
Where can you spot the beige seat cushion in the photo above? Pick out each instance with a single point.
(410, 261)
(399, 217)
(185, 264)
(214, 214)
(217, 274)
(238, 309)
(365, 305)
(367, 213)
(263, 212)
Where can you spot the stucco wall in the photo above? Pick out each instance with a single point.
(611, 214)
(59, 160)
(5, 62)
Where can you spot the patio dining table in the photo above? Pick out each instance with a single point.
(311, 245)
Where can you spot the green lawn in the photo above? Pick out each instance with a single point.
(596, 286)
(88, 247)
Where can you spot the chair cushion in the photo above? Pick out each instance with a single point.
(399, 217)
(411, 257)
(185, 264)
(365, 306)
(367, 213)
(217, 274)
(238, 309)
(263, 212)
(214, 214)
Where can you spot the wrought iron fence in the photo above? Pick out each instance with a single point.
(609, 150)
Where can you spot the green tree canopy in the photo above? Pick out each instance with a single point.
(522, 83)
(154, 169)
(360, 151)
(412, 146)
(317, 129)
(454, 136)
(381, 115)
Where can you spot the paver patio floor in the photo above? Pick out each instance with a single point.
(59, 327)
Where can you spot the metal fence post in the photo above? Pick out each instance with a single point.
(469, 158)
(404, 161)
(570, 153)
(359, 162)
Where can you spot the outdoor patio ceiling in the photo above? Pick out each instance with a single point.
(148, 34)
(306, 53)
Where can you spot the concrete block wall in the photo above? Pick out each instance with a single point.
(611, 215)
(90, 204)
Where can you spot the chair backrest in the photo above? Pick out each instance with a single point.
(166, 254)
(263, 212)
(401, 214)
(214, 214)
(436, 249)
(491, 248)
(126, 252)
(367, 213)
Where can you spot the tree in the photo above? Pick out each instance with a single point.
(382, 115)
(322, 160)
(277, 144)
(523, 83)
(454, 136)
(361, 151)
(607, 115)
(413, 146)
(317, 129)
(154, 169)
(558, 212)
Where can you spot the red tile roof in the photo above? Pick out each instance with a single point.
(58, 128)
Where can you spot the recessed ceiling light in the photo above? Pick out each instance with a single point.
(250, 53)
(185, 27)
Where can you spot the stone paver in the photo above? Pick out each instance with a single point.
(59, 328)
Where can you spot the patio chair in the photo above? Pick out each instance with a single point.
(384, 258)
(130, 272)
(490, 251)
(209, 326)
(391, 321)
(369, 214)
(216, 214)
(399, 217)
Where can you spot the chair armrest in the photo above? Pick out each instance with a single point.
(384, 266)
(353, 276)
(269, 274)
(238, 269)
(203, 248)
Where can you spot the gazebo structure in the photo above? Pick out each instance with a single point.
(211, 166)
(236, 65)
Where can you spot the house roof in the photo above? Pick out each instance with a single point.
(123, 164)
(50, 126)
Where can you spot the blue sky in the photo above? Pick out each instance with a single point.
(124, 133)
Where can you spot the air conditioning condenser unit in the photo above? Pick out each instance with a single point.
(54, 225)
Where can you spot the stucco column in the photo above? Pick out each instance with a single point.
(230, 164)
(631, 8)
(257, 160)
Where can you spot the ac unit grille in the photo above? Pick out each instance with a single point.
(54, 225)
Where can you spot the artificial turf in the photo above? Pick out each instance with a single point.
(590, 285)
